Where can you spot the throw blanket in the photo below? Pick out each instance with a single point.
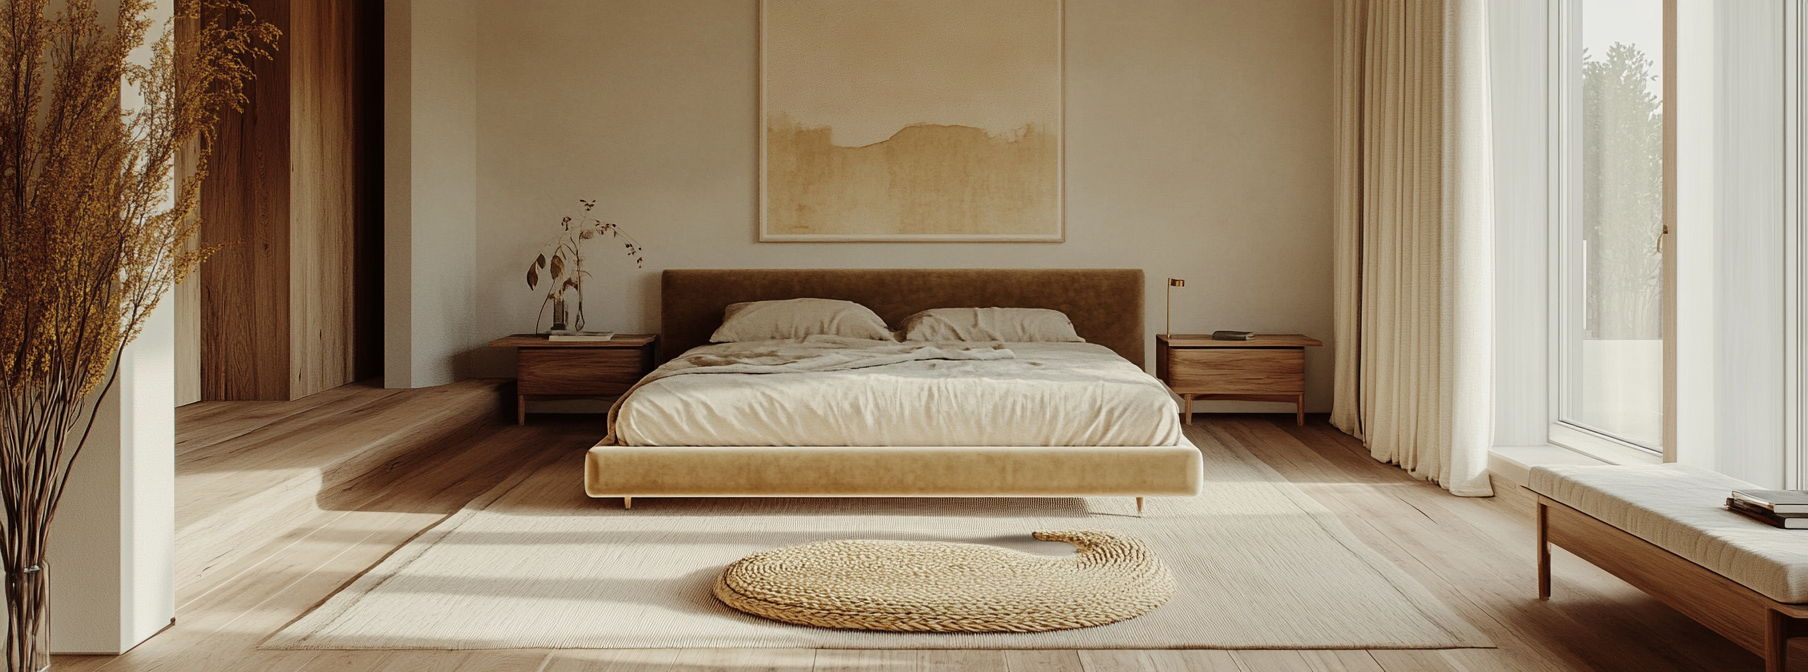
(812, 354)
(819, 353)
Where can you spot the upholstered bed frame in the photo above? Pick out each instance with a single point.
(1106, 306)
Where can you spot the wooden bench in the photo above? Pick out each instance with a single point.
(1749, 618)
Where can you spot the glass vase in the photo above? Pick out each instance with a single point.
(28, 620)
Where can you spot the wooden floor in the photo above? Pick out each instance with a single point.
(1475, 554)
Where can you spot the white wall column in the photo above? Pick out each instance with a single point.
(112, 547)
(1519, 36)
(1696, 213)
(112, 557)
(430, 191)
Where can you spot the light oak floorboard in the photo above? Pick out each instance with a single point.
(378, 661)
(959, 660)
(852, 660)
(1474, 554)
(1167, 660)
(613, 660)
(216, 422)
(1307, 661)
(747, 660)
(1018, 660)
(512, 660)
(1413, 661)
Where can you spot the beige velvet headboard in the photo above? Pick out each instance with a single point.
(1106, 305)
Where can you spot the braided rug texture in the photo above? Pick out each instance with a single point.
(924, 586)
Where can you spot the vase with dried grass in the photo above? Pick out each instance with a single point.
(562, 260)
(94, 230)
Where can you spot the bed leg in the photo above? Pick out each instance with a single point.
(1544, 551)
(1139, 506)
(627, 502)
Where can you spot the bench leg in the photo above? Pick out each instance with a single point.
(1776, 642)
(1544, 552)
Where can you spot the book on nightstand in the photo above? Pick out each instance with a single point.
(1791, 521)
(1233, 335)
(1778, 501)
(582, 336)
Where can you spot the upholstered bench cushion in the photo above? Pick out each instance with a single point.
(1682, 510)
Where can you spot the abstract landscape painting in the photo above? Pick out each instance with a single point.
(911, 120)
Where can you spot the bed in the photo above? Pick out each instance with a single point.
(1015, 457)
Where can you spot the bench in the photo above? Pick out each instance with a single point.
(1664, 529)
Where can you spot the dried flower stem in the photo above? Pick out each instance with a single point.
(91, 233)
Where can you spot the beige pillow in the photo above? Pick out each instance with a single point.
(1015, 325)
(798, 318)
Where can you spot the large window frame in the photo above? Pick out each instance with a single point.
(1567, 256)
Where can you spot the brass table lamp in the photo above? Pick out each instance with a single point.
(1172, 283)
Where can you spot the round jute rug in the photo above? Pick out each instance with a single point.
(949, 587)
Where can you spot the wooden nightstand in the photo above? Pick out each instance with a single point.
(572, 369)
(1272, 367)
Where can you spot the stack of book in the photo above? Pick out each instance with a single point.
(580, 336)
(1781, 508)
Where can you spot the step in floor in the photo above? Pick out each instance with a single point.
(249, 472)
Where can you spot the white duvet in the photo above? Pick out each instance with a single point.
(828, 391)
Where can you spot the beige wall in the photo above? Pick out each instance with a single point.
(430, 225)
(1198, 146)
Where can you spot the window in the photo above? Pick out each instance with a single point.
(1609, 341)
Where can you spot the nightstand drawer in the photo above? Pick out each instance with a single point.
(1237, 371)
(581, 371)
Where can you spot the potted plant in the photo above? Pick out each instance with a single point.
(562, 260)
(91, 235)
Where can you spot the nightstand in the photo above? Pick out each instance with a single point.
(1271, 367)
(576, 369)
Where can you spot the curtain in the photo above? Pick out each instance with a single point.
(1414, 237)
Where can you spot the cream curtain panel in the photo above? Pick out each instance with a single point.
(1414, 231)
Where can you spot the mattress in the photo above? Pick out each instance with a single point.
(827, 391)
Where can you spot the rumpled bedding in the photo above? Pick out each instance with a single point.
(834, 391)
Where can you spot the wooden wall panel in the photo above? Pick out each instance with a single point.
(186, 299)
(245, 286)
(291, 305)
(323, 186)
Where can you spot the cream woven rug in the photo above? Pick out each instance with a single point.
(536, 564)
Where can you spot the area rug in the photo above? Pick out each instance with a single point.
(536, 564)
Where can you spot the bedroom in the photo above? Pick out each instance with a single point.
(1199, 144)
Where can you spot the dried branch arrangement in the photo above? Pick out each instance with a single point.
(563, 261)
(93, 232)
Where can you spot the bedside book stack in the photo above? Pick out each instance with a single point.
(580, 336)
(1780, 508)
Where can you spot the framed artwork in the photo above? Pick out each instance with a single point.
(911, 120)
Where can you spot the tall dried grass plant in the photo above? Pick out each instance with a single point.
(93, 232)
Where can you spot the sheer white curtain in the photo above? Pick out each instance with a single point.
(1414, 237)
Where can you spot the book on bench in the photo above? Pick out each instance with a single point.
(1791, 521)
(1777, 501)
